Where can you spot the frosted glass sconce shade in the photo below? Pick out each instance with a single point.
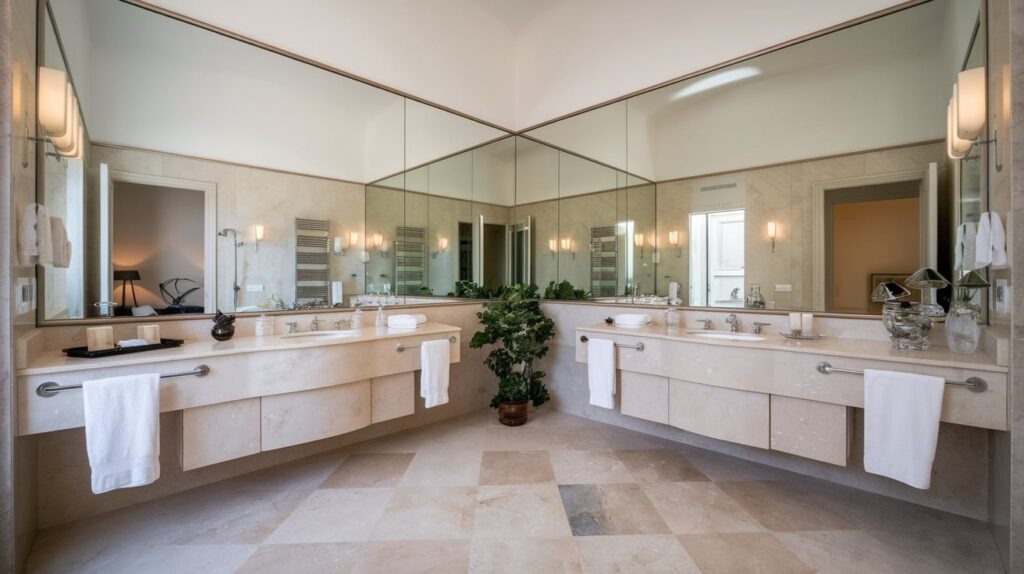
(971, 108)
(53, 101)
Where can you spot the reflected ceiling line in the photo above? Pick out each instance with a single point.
(438, 196)
(805, 160)
(626, 189)
(773, 48)
(145, 5)
(442, 158)
(583, 157)
(222, 161)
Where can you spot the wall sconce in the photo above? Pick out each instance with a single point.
(567, 247)
(380, 245)
(338, 245)
(53, 101)
(258, 234)
(965, 118)
(553, 247)
(442, 247)
(773, 232)
(65, 143)
(673, 240)
(638, 241)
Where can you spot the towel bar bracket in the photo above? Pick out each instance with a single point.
(401, 346)
(50, 388)
(638, 346)
(974, 384)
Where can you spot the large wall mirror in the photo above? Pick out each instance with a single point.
(214, 174)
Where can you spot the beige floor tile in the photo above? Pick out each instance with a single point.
(304, 474)
(448, 437)
(369, 471)
(581, 438)
(303, 558)
(186, 559)
(443, 468)
(521, 555)
(231, 517)
(407, 441)
(502, 438)
(427, 513)
(659, 465)
(742, 552)
(647, 554)
(519, 511)
(945, 550)
(698, 508)
(781, 506)
(334, 515)
(610, 509)
(846, 552)
(414, 557)
(717, 466)
(589, 467)
(518, 467)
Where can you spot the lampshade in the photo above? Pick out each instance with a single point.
(959, 144)
(972, 280)
(76, 150)
(772, 229)
(53, 104)
(888, 291)
(673, 238)
(127, 275)
(927, 278)
(66, 142)
(950, 147)
(971, 108)
(552, 245)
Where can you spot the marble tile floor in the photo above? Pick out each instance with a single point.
(561, 494)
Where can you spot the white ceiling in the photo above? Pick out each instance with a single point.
(518, 63)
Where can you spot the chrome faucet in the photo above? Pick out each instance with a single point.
(292, 326)
(707, 323)
(314, 325)
(759, 325)
(734, 322)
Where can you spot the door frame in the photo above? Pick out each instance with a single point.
(209, 190)
(818, 189)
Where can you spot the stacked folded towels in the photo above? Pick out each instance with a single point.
(632, 320)
(406, 321)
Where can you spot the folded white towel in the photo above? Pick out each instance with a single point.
(901, 425)
(983, 243)
(601, 372)
(34, 236)
(964, 253)
(406, 321)
(61, 245)
(122, 430)
(632, 319)
(149, 311)
(132, 343)
(998, 240)
(434, 367)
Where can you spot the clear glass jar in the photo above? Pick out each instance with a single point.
(755, 300)
(962, 330)
(672, 319)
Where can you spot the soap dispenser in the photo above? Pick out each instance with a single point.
(357, 319)
(381, 321)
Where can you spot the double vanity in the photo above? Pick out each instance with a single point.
(250, 394)
(775, 393)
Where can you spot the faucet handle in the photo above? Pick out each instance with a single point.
(707, 323)
(292, 326)
(758, 325)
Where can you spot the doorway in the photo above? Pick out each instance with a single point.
(716, 258)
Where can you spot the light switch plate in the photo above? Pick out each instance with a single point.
(24, 294)
(1001, 297)
(783, 288)
(254, 288)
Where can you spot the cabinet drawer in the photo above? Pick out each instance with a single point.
(392, 397)
(644, 396)
(295, 418)
(220, 432)
(811, 429)
(726, 414)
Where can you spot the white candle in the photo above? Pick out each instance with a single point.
(808, 323)
(795, 323)
(100, 338)
(150, 333)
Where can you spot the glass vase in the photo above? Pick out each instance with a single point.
(962, 330)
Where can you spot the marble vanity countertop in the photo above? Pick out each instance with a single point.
(833, 346)
(56, 361)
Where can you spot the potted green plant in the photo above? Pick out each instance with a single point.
(519, 331)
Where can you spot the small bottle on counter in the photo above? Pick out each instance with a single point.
(381, 321)
(672, 318)
(357, 319)
(263, 326)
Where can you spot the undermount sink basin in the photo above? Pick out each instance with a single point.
(319, 334)
(727, 335)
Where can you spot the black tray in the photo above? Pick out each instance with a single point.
(85, 353)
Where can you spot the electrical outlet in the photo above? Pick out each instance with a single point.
(254, 288)
(25, 295)
(783, 288)
(1001, 297)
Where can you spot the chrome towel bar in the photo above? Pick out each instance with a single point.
(975, 384)
(401, 347)
(639, 346)
(50, 388)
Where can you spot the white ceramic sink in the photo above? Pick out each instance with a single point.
(727, 335)
(320, 335)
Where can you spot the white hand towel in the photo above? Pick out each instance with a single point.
(632, 319)
(44, 236)
(61, 245)
(601, 372)
(964, 255)
(983, 242)
(901, 425)
(434, 366)
(122, 430)
(28, 248)
(406, 321)
(998, 240)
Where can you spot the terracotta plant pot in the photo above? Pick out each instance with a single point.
(512, 414)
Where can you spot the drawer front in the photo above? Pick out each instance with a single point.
(811, 429)
(726, 414)
(295, 418)
(392, 397)
(644, 396)
(220, 432)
